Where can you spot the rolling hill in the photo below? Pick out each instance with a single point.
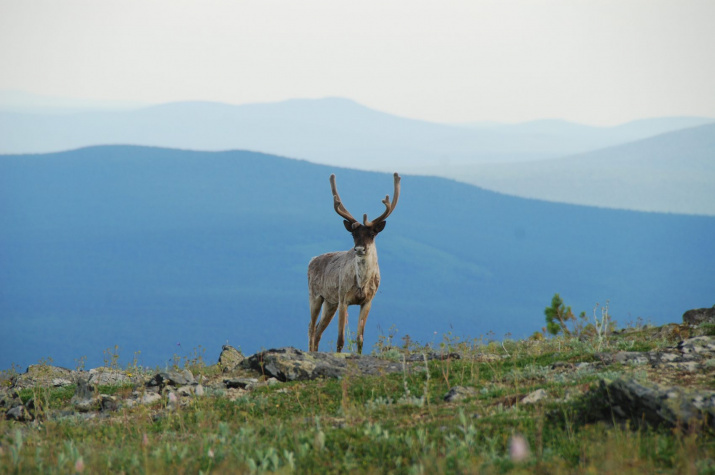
(160, 251)
(339, 132)
(672, 172)
(332, 131)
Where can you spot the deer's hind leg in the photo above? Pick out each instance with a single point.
(328, 314)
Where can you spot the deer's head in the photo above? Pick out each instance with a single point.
(364, 234)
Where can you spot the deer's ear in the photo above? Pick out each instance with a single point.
(379, 227)
(348, 225)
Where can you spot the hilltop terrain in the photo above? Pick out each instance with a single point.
(639, 399)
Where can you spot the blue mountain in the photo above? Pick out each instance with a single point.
(671, 172)
(165, 251)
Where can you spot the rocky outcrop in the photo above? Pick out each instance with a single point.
(693, 354)
(655, 405)
(291, 364)
(42, 375)
(699, 316)
(108, 377)
(13, 407)
(535, 397)
(85, 398)
(230, 358)
(176, 378)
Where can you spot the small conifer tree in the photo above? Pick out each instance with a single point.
(557, 315)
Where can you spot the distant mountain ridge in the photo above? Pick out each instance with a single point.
(163, 250)
(341, 132)
(331, 131)
(671, 172)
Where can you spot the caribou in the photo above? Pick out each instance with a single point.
(339, 279)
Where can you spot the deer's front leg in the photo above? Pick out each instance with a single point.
(362, 319)
(342, 322)
(328, 314)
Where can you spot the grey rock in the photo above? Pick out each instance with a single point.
(291, 364)
(85, 399)
(458, 393)
(657, 405)
(699, 346)
(10, 400)
(535, 396)
(146, 398)
(108, 377)
(84, 390)
(229, 358)
(46, 376)
(241, 383)
(630, 357)
(689, 355)
(175, 378)
(108, 403)
(185, 391)
(699, 316)
(19, 413)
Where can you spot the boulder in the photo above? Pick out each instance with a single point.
(144, 398)
(699, 316)
(229, 358)
(85, 399)
(46, 376)
(18, 413)
(657, 405)
(291, 364)
(535, 396)
(458, 393)
(175, 378)
(108, 377)
(672, 331)
(242, 383)
(13, 407)
(108, 403)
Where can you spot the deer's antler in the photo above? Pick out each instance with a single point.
(389, 207)
(338, 204)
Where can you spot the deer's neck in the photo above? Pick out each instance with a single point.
(366, 267)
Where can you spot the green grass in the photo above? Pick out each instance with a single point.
(396, 423)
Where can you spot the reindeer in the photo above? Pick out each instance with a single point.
(339, 279)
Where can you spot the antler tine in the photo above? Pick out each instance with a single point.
(337, 203)
(389, 207)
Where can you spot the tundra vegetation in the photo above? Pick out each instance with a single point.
(392, 423)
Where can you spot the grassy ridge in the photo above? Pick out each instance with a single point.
(396, 423)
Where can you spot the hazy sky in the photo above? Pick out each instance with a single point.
(599, 62)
